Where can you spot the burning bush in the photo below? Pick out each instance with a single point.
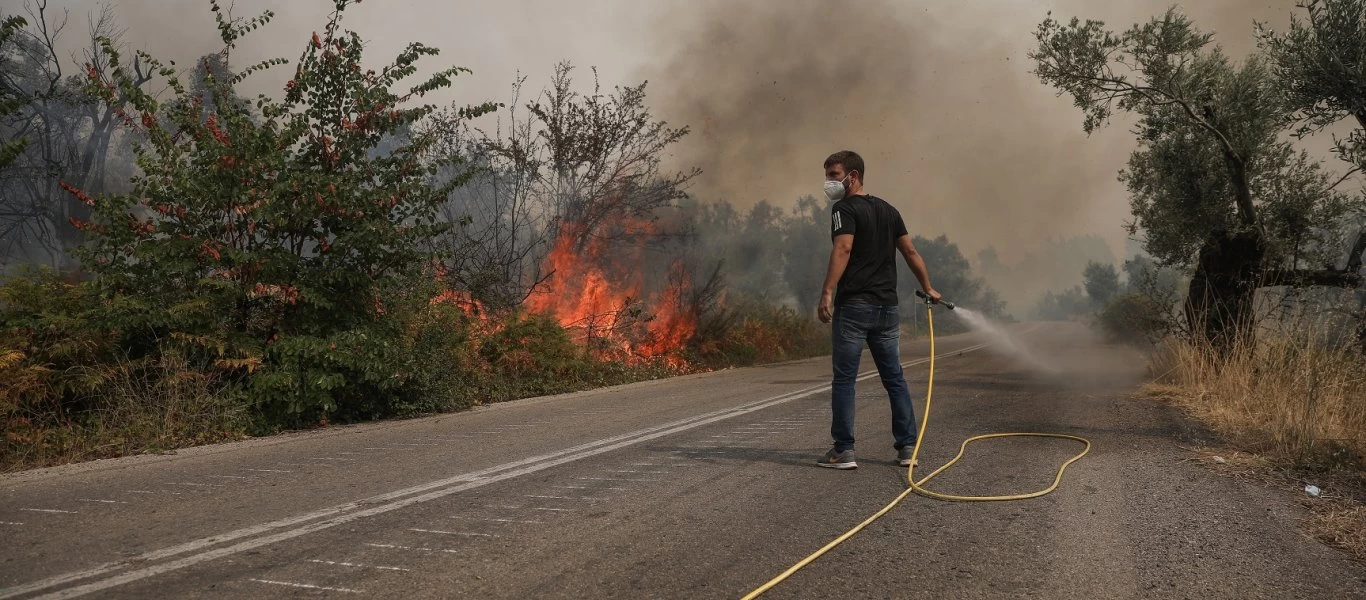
(599, 290)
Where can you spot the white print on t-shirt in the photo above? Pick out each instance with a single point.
(836, 219)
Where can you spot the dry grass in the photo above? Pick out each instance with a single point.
(1293, 411)
(1341, 524)
(147, 408)
(1296, 402)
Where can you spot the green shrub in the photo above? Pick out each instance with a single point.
(268, 238)
(1133, 319)
(71, 388)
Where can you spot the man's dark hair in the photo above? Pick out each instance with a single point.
(850, 160)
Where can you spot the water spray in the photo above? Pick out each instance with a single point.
(1001, 339)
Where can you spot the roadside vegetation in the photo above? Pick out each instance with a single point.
(182, 263)
(1249, 292)
(188, 265)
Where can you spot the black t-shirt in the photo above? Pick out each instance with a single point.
(876, 226)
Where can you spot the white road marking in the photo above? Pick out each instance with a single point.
(417, 444)
(15, 523)
(586, 498)
(308, 586)
(637, 472)
(141, 492)
(351, 511)
(229, 477)
(494, 520)
(552, 509)
(101, 501)
(198, 484)
(50, 510)
(271, 470)
(356, 565)
(377, 448)
(330, 458)
(585, 487)
(464, 533)
(398, 547)
(612, 479)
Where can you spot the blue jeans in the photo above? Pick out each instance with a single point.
(880, 327)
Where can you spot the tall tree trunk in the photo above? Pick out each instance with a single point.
(1219, 305)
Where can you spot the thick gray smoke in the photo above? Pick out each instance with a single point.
(937, 97)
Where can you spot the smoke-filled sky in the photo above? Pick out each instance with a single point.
(937, 96)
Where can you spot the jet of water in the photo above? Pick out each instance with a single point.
(999, 338)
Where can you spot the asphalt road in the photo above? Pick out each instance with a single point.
(696, 487)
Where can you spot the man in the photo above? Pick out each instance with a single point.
(868, 233)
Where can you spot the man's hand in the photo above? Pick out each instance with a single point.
(826, 309)
(933, 294)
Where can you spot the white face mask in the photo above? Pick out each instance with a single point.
(834, 190)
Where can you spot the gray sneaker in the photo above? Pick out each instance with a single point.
(838, 460)
(903, 456)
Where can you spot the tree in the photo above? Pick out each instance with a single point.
(806, 251)
(1070, 303)
(1212, 185)
(1320, 63)
(1101, 283)
(268, 244)
(565, 168)
(952, 276)
(209, 70)
(749, 244)
(1142, 274)
(10, 100)
(69, 131)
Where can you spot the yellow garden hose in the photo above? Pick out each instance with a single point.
(915, 486)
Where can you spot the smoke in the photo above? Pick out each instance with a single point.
(937, 97)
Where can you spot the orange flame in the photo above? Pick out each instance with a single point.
(460, 299)
(609, 310)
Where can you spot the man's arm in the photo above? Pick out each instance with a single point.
(917, 265)
(839, 259)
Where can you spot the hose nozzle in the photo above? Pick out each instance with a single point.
(929, 300)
